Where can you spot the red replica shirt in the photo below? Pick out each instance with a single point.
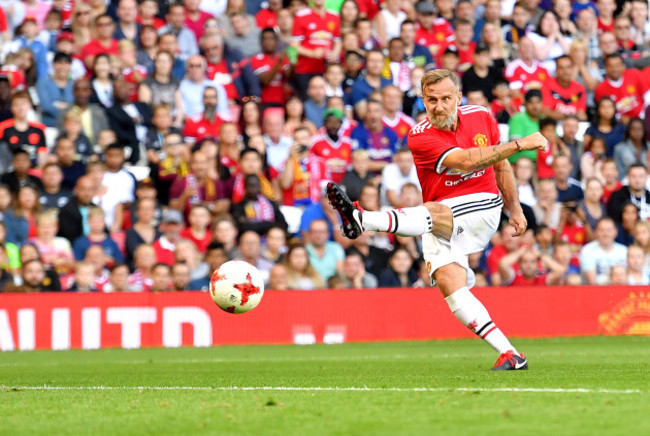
(430, 147)
(274, 91)
(465, 57)
(401, 125)
(520, 280)
(627, 92)
(337, 155)
(605, 27)
(220, 74)
(66, 12)
(441, 34)
(567, 101)
(200, 127)
(157, 23)
(129, 75)
(524, 77)
(94, 47)
(315, 31)
(201, 244)
(15, 75)
(266, 18)
(197, 26)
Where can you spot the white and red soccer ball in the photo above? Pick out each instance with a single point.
(237, 286)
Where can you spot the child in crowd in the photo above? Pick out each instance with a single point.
(84, 278)
(198, 230)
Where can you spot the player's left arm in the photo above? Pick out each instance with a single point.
(507, 184)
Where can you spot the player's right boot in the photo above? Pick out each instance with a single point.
(510, 361)
(350, 214)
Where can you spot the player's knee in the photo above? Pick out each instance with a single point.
(438, 210)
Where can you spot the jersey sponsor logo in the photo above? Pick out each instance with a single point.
(480, 140)
(464, 177)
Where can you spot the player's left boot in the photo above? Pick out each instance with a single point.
(510, 361)
(350, 214)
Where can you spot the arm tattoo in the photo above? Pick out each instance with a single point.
(489, 160)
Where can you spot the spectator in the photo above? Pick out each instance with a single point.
(635, 147)
(162, 88)
(334, 77)
(102, 81)
(523, 170)
(354, 272)
(272, 68)
(300, 273)
(224, 232)
(417, 55)
(593, 159)
(556, 147)
(197, 188)
(640, 26)
(635, 192)
(245, 36)
(397, 174)
(148, 47)
(215, 256)
(357, 176)
(127, 26)
(623, 86)
(629, 218)
(229, 68)
(93, 116)
(571, 229)
(118, 279)
(393, 117)
(529, 272)
(161, 274)
(53, 25)
(564, 96)
(256, 212)
(275, 246)
(21, 219)
(372, 80)
(591, 208)
(587, 74)
(431, 31)
(372, 135)
(20, 176)
(73, 169)
(118, 188)
(277, 144)
(549, 41)
(55, 92)
(82, 21)
(576, 147)
(599, 256)
(144, 230)
(636, 272)
(55, 250)
(102, 43)
(176, 25)
(547, 209)
(18, 132)
(162, 126)
(199, 220)
(481, 75)
(295, 117)
(611, 183)
(193, 86)
(33, 279)
(5, 97)
(525, 123)
(75, 213)
(129, 68)
(165, 246)
(144, 260)
(250, 248)
(278, 278)
(53, 196)
(168, 42)
(396, 69)
(72, 130)
(84, 278)
(509, 243)
(324, 255)
(28, 39)
(207, 123)
(180, 276)
(568, 188)
(316, 102)
(5, 201)
(401, 273)
(97, 236)
(525, 73)
(303, 173)
(334, 149)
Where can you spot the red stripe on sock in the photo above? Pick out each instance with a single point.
(488, 332)
(390, 221)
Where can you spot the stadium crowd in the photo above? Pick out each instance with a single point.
(144, 143)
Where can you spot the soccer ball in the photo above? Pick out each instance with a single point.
(237, 286)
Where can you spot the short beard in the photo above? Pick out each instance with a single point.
(445, 124)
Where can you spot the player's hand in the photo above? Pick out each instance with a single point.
(536, 141)
(518, 221)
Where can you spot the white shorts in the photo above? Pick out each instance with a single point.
(476, 220)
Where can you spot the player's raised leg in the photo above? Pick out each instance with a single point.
(452, 281)
(408, 221)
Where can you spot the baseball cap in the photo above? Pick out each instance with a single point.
(65, 36)
(451, 49)
(146, 183)
(172, 216)
(481, 47)
(338, 113)
(532, 94)
(424, 8)
(29, 18)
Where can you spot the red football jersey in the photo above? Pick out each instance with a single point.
(627, 93)
(315, 31)
(441, 34)
(220, 74)
(520, 280)
(567, 101)
(465, 57)
(266, 18)
(401, 125)
(338, 156)
(199, 127)
(274, 91)
(523, 77)
(430, 147)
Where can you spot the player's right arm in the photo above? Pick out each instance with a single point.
(478, 158)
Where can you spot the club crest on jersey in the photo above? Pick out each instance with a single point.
(480, 140)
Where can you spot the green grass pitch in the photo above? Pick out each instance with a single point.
(575, 386)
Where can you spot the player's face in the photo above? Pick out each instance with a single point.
(441, 101)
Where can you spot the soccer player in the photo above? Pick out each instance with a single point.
(461, 175)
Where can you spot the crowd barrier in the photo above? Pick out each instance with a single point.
(90, 321)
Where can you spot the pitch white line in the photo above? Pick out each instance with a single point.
(321, 388)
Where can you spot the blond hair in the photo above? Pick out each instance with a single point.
(437, 76)
(48, 215)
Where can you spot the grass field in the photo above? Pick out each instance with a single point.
(575, 386)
